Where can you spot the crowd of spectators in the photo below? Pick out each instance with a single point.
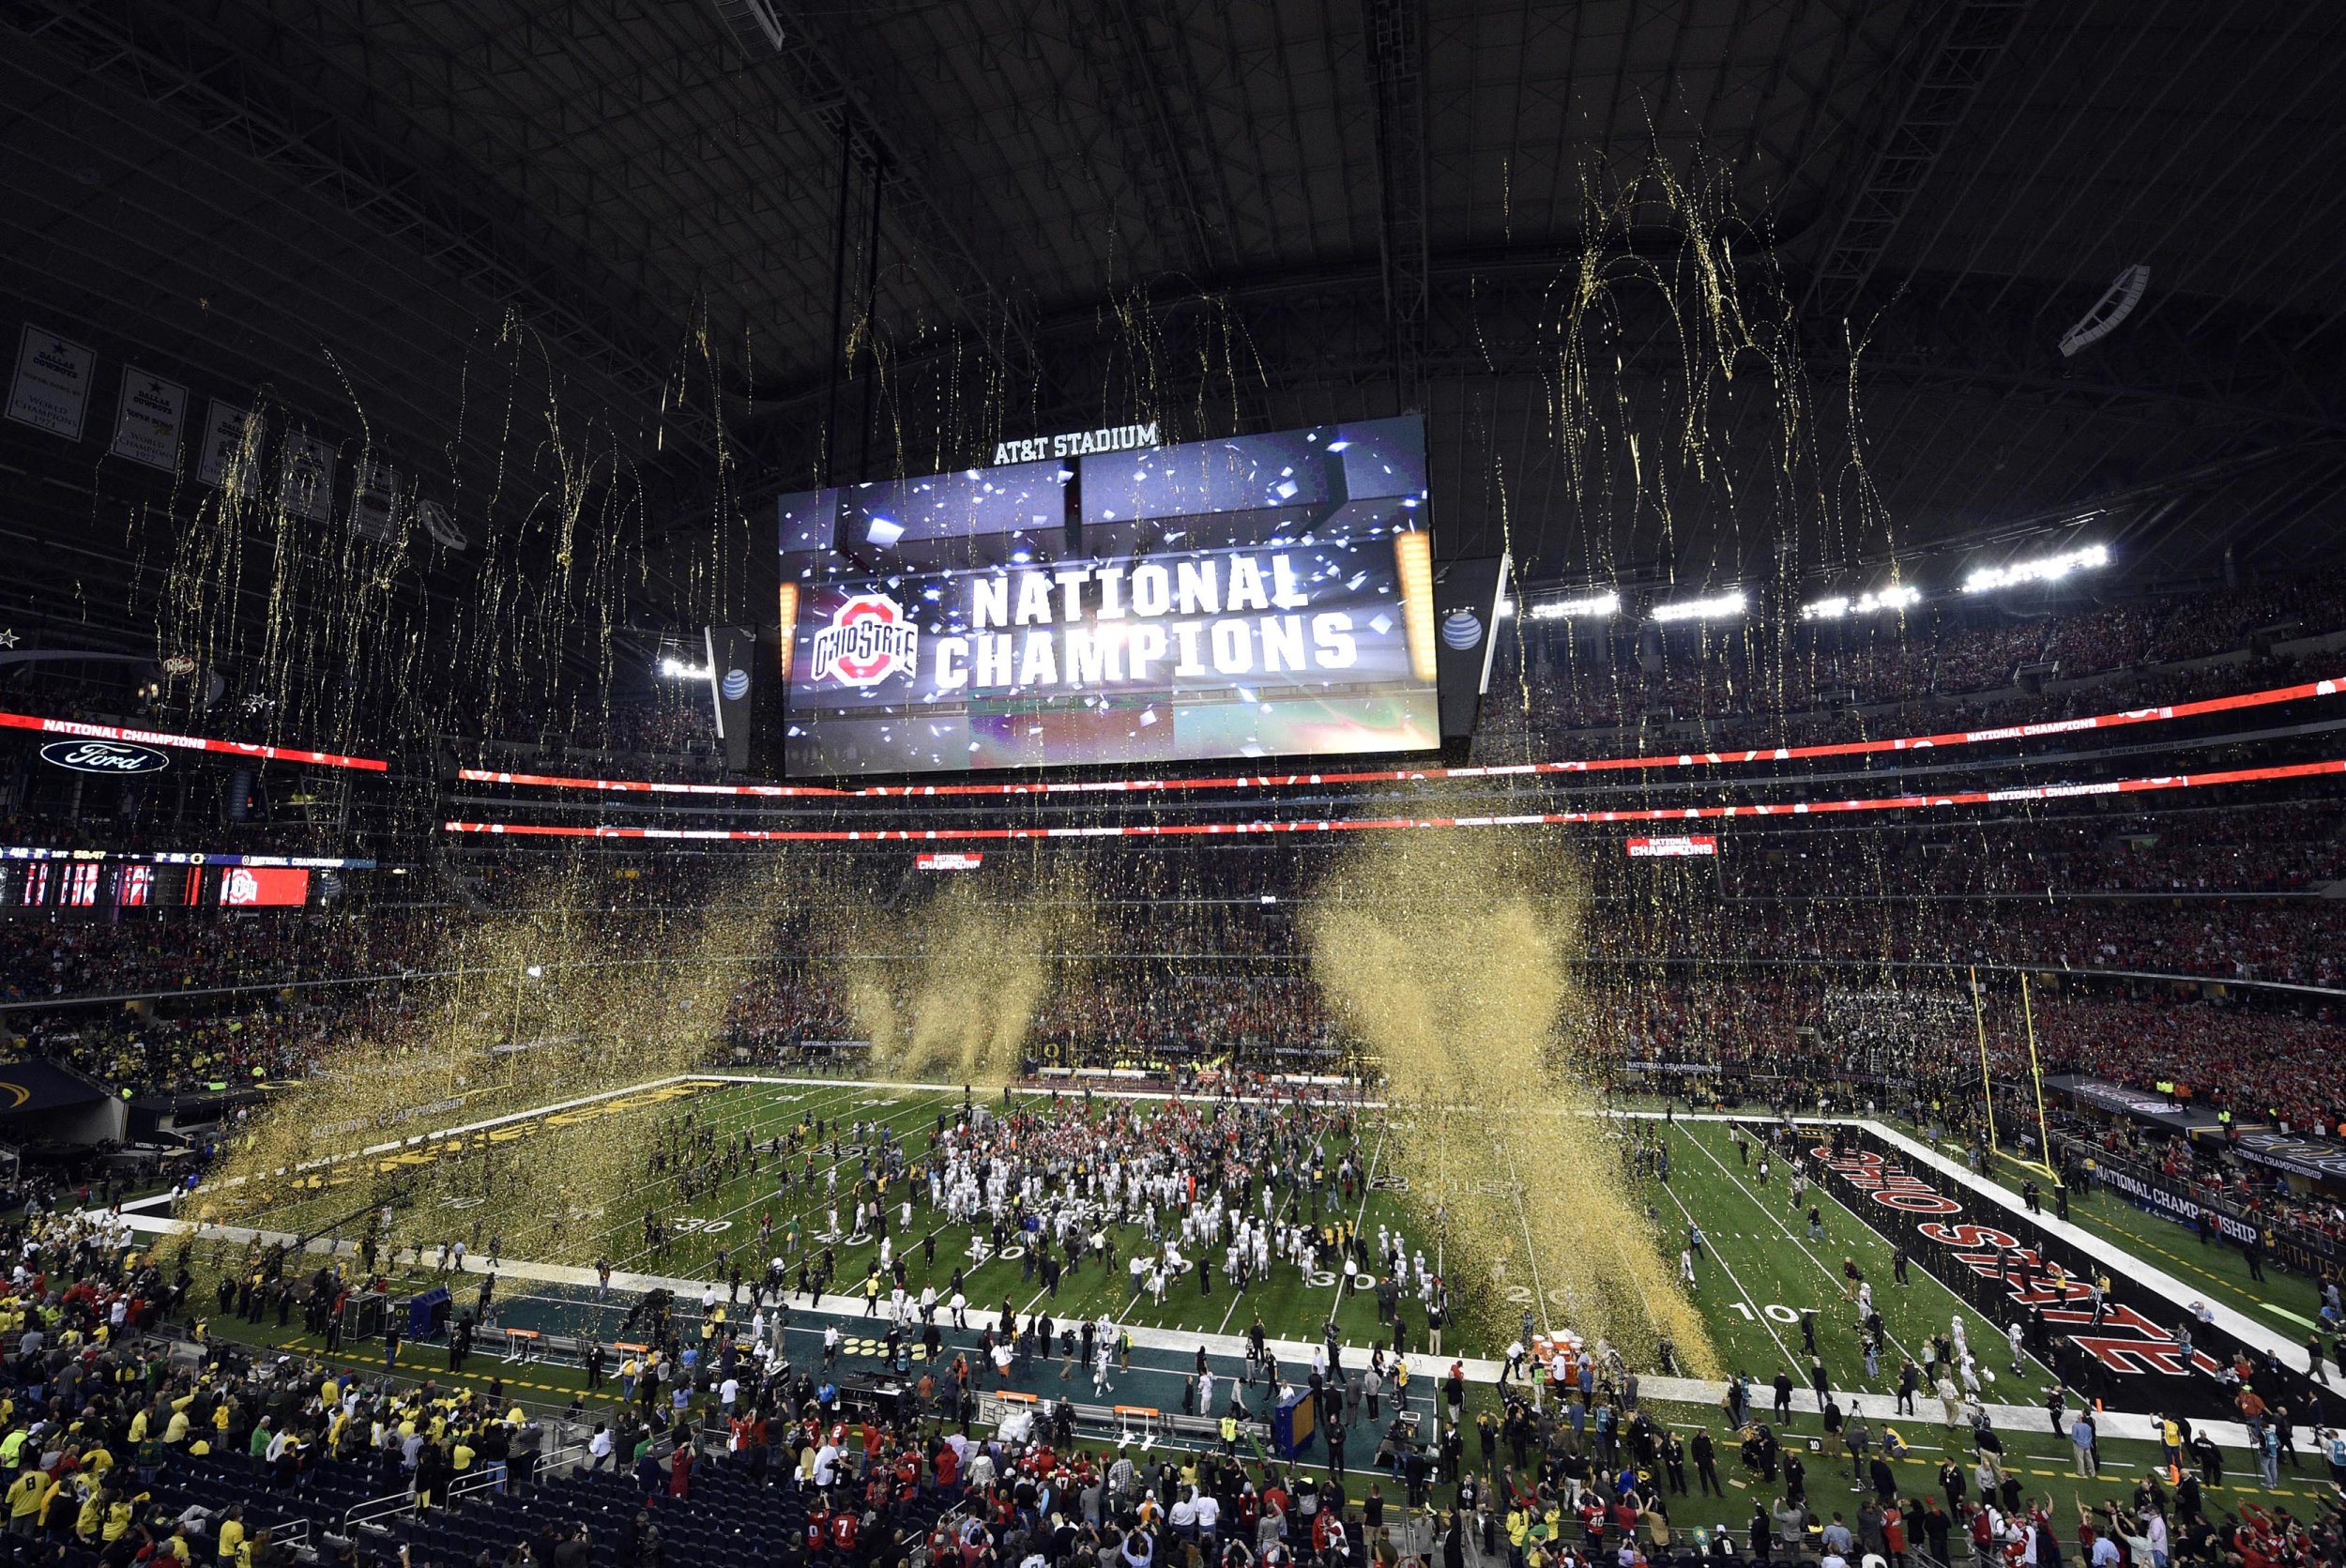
(229, 1044)
(2275, 1060)
(2287, 942)
(2203, 1170)
(41, 959)
(2278, 1064)
(2278, 847)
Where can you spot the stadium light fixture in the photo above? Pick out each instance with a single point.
(1717, 606)
(2043, 568)
(1897, 596)
(672, 668)
(1595, 606)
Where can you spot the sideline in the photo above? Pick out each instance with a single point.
(1432, 1369)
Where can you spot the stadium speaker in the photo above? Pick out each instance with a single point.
(247, 799)
(769, 699)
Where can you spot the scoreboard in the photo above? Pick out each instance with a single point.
(1253, 597)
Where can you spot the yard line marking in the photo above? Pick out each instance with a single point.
(1853, 1219)
(1796, 1242)
(1531, 1253)
(1749, 1300)
(1368, 1184)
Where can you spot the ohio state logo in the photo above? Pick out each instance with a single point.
(867, 641)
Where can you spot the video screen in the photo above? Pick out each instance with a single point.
(262, 887)
(1256, 596)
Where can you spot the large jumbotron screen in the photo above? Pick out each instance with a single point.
(1254, 597)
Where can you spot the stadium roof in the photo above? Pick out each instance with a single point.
(412, 217)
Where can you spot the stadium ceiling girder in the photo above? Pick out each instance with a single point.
(926, 218)
(1145, 92)
(254, 94)
(1323, 327)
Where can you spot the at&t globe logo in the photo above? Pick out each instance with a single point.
(867, 641)
(1461, 628)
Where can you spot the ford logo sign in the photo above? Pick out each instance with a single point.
(104, 756)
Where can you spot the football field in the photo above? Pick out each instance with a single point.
(551, 1193)
(1765, 1282)
(571, 1186)
(1765, 1272)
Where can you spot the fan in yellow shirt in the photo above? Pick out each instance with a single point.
(25, 1497)
(233, 1549)
(121, 1514)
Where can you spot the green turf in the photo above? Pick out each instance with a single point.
(1764, 1272)
(1761, 1257)
(729, 1218)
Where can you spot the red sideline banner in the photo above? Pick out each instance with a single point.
(189, 743)
(1379, 824)
(2003, 1265)
(1669, 846)
(2234, 704)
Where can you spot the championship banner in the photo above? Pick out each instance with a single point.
(1669, 846)
(305, 477)
(189, 742)
(231, 440)
(2299, 1248)
(50, 391)
(2158, 1197)
(1240, 652)
(2321, 1159)
(149, 421)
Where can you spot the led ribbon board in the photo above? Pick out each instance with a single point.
(189, 743)
(1381, 823)
(2239, 702)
